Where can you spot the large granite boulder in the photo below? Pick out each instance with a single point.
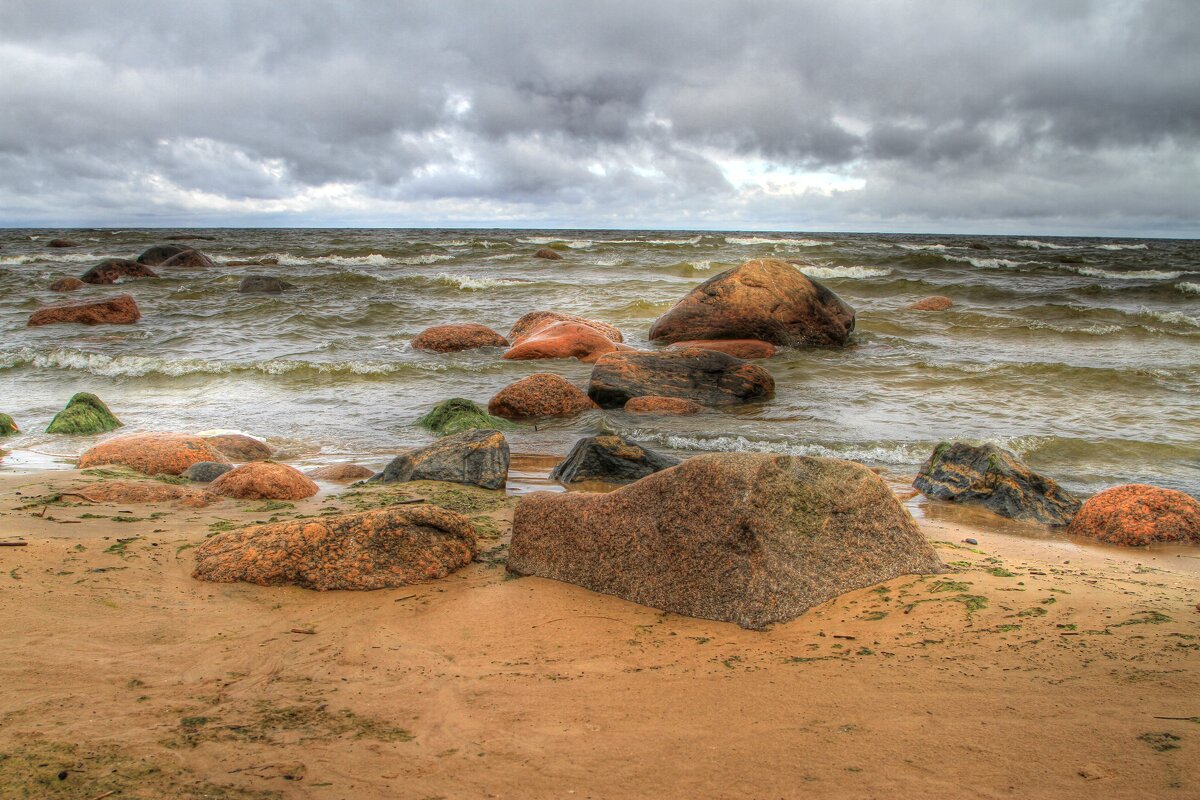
(750, 538)
(156, 255)
(745, 349)
(765, 299)
(993, 477)
(85, 415)
(151, 453)
(379, 549)
(706, 376)
(476, 458)
(563, 339)
(457, 337)
(340, 473)
(264, 480)
(543, 394)
(1136, 515)
(457, 415)
(611, 459)
(190, 259)
(240, 447)
(119, 310)
(112, 270)
(537, 319)
(263, 284)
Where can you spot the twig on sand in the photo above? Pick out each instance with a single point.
(1181, 719)
(44, 508)
(581, 616)
(309, 631)
(13, 544)
(410, 501)
(109, 793)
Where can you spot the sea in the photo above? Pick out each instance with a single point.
(1080, 355)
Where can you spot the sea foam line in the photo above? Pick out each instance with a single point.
(1037, 245)
(755, 240)
(844, 272)
(1129, 275)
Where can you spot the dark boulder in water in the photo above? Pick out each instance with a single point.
(85, 415)
(156, 255)
(748, 538)
(62, 243)
(765, 299)
(190, 259)
(183, 237)
(206, 471)
(120, 310)
(263, 284)
(613, 459)
(1136, 515)
(457, 415)
(457, 337)
(112, 270)
(990, 476)
(67, 285)
(475, 458)
(977, 246)
(706, 376)
(548, 254)
(542, 394)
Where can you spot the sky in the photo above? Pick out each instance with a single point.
(1066, 117)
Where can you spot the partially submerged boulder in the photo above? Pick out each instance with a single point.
(1136, 515)
(749, 538)
(476, 458)
(766, 299)
(706, 376)
(240, 447)
(935, 302)
(340, 473)
(995, 478)
(85, 415)
(547, 253)
(111, 270)
(651, 404)
(543, 394)
(457, 337)
(263, 284)
(612, 459)
(156, 255)
(563, 339)
(206, 471)
(143, 492)
(120, 310)
(8, 426)
(151, 453)
(388, 547)
(264, 480)
(537, 319)
(457, 415)
(62, 243)
(67, 285)
(746, 349)
(190, 259)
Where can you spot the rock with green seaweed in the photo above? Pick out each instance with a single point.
(7, 426)
(457, 415)
(85, 415)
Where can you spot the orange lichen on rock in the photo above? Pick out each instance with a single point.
(540, 395)
(537, 319)
(738, 348)
(1136, 514)
(152, 453)
(662, 405)
(144, 492)
(563, 339)
(240, 447)
(120, 310)
(453, 338)
(264, 480)
(340, 473)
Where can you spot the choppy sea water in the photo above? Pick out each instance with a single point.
(1082, 355)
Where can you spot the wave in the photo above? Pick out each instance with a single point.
(1122, 247)
(889, 453)
(843, 272)
(1190, 288)
(755, 240)
(472, 284)
(56, 258)
(1037, 245)
(938, 247)
(372, 260)
(987, 263)
(1130, 275)
(1171, 317)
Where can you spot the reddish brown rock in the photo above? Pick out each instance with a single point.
(549, 254)
(61, 243)
(67, 285)
(540, 395)
(453, 338)
(563, 340)
(151, 453)
(936, 302)
(264, 480)
(676, 406)
(154, 256)
(340, 473)
(537, 319)
(191, 259)
(765, 299)
(239, 447)
(144, 492)
(738, 348)
(706, 376)
(112, 270)
(388, 547)
(120, 310)
(1135, 515)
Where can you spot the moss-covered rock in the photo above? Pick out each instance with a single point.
(7, 426)
(457, 415)
(84, 415)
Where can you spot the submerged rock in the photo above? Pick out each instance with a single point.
(613, 459)
(111, 270)
(67, 285)
(476, 458)
(458, 337)
(705, 376)
(766, 299)
(935, 302)
(543, 394)
(651, 404)
(457, 415)
(388, 547)
(1136, 515)
(85, 415)
(120, 310)
(263, 284)
(745, 349)
(538, 319)
(151, 453)
(192, 259)
(239, 447)
(62, 243)
(563, 339)
(748, 538)
(156, 255)
(264, 480)
(144, 492)
(8, 426)
(990, 476)
(206, 471)
(340, 473)
(547, 253)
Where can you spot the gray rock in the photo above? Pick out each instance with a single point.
(159, 253)
(613, 459)
(476, 458)
(264, 284)
(206, 471)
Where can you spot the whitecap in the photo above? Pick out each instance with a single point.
(756, 240)
(1130, 275)
(1190, 288)
(472, 284)
(879, 454)
(922, 246)
(987, 263)
(844, 272)
(1034, 243)
(1122, 247)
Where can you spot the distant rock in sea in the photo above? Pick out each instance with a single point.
(935, 302)
(549, 254)
(706, 376)
(67, 285)
(190, 259)
(263, 284)
(651, 404)
(120, 310)
(62, 243)
(156, 255)
(111, 270)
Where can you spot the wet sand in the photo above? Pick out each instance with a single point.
(1036, 668)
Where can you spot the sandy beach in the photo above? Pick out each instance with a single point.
(1036, 668)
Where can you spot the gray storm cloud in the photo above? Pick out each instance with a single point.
(1065, 116)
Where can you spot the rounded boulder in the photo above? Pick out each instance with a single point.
(1135, 515)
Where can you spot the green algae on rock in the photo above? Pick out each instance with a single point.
(85, 415)
(457, 415)
(8, 426)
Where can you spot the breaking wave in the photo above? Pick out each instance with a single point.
(1038, 245)
(1130, 275)
(1190, 288)
(844, 272)
(372, 260)
(472, 284)
(754, 240)
(1122, 247)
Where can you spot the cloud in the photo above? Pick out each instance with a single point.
(1066, 116)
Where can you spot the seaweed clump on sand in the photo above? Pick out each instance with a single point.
(84, 415)
(457, 415)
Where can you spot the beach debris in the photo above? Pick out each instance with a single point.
(537, 319)
(387, 547)
(750, 538)
(85, 415)
(8, 426)
(457, 337)
(613, 459)
(457, 415)
(206, 471)
(156, 255)
(13, 544)
(652, 404)
(548, 253)
(706, 376)
(473, 457)
(935, 302)
(747, 349)
(767, 299)
(151, 453)
(998, 480)
(563, 339)
(263, 284)
(340, 473)
(264, 480)
(67, 285)
(111, 270)
(542, 394)
(119, 310)
(240, 447)
(1136, 514)
(970, 541)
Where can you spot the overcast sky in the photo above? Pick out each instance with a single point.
(1007, 117)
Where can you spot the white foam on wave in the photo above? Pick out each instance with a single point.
(574, 244)
(844, 272)
(472, 284)
(1122, 247)
(878, 454)
(662, 242)
(55, 258)
(756, 240)
(987, 263)
(1172, 317)
(371, 260)
(936, 247)
(1189, 288)
(1037, 245)
(1129, 275)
